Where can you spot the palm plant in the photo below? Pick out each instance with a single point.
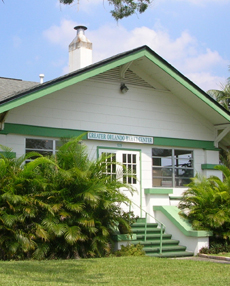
(89, 201)
(206, 204)
(222, 95)
(18, 205)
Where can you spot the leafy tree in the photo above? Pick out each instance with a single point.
(206, 204)
(122, 8)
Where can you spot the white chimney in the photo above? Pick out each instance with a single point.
(80, 50)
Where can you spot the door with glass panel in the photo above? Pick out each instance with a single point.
(127, 171)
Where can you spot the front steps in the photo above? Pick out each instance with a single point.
(170, 247)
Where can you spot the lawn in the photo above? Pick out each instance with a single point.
(225, 254)
(117, 271)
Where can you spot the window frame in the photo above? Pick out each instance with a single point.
(52, 150)
(174, 167)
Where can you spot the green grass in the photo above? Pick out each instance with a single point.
(117, 271)
(225, 254)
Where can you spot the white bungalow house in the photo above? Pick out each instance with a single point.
(134, 105)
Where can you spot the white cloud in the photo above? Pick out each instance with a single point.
(206, 80)
(184, 52)
(61, 35)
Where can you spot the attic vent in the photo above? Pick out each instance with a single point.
(113, 75)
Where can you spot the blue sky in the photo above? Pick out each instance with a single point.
(192, 35)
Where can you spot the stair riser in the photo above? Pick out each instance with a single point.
(148, 231)
(154, 244)
(170, 247)
(157, 249)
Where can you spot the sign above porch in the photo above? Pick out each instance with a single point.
(119, 138)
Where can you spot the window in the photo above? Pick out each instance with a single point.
(127, 168)
(110, 165)
(129, 162)
(172, 167)
(42, 146)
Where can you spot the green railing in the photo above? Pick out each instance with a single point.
(162, 226)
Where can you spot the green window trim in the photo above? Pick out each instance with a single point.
(175, 198)
(208, 166)
(156, 191)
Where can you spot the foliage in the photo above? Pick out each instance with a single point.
(125, 220)
(58, 207)
(222, 95)
(206, 204)
(130, 250)
(123, 8)
(216, 248)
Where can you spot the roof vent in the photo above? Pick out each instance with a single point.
(41, 75)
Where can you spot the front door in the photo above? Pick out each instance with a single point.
(129, 174)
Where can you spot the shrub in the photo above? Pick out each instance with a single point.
(58, 207)
(206, 204)
(130, 250)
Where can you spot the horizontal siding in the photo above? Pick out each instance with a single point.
(97, 106)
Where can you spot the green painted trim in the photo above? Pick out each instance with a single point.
(172, 213)
(124, 237)
(11, 128)
(8, 155)
(61, 132)
(178, 77)
(49, 88)
(155, 191)
(175, 198)
(187, 143)
(141, 200)
(208, 166)
(103, 66)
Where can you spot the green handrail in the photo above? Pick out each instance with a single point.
(162, 226)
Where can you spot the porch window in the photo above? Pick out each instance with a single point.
(172, 167)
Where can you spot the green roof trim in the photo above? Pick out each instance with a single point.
(172, 213)
(188, 84)
(160, 191)
(70, 79)
(105, 65)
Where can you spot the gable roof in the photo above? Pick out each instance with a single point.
(143, 61)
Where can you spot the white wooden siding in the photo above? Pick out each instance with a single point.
(94, 106)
